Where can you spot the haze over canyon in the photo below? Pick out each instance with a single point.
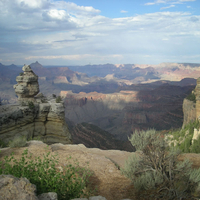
(115, 98)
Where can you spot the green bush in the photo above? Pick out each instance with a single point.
(157, 170)
(183, 138)
(21, 73)
(31, 105)
(45, 174)
(18, 142)
(2, 144)
(58, 99)
(191, 97)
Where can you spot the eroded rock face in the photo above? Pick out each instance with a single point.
(44, 120)
(191, 109)
(34, 116)
(27, 85)
(16, 188)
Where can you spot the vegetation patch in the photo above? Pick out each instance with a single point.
(156, 172)
(31, 105)
(182, 138)
(58, 99)
(68, 182)
(18, 142)
(191, 97)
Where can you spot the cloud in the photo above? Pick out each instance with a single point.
(74, 57)
(167, 2)
(149, 4)
(63, 32)
(123, 11)
(171, 6)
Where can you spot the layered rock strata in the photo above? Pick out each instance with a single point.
(44, 120)
(191, 107)
(27, 85)
(33, 116)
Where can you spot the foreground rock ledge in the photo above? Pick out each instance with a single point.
(107, 178)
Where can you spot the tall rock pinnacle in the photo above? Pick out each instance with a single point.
(27, 85)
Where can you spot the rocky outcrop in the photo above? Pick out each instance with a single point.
(33, 116)
(189, 111)
(43, 120)
(27, 85)
(191, 105)
(21, 189)
(16, 188)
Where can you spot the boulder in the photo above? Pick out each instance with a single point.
(16, 188)
(48, 196)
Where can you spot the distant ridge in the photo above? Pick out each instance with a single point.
(36, 65)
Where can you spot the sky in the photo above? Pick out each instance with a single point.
(81, 32)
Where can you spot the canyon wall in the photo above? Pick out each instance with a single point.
(33, 116)
(45, 120)
(120, 113)
(191, 105)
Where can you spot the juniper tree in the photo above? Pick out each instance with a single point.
(156, 168)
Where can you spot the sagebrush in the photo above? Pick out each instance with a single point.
(157, 170)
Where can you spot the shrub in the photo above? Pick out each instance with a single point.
(183, 138)
(157, 170)
(18, 142)
(2, 144)
(44, 173)
(191, 97)
(58, 99)
(31, 105)
(21, 73)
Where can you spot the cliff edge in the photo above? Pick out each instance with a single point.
(191, 105)
(33, 116)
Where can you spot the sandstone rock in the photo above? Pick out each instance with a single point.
(195, 135)
(189, 111)
(48, 196)
(27, 85)
(97, 198)
(104, 164)
(16, 188)
(46, 120)
(80, 199)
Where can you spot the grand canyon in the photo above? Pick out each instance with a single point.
(112, 100)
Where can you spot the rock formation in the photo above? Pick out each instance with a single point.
(27, 85)
(156, 106)
(33, 116)
(21, 189)
(43, 120)
(191, 106)
(15, 188)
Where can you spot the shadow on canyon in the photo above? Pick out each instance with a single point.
(153, 105)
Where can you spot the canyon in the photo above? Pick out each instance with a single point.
(118, 99)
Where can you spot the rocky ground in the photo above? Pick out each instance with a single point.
(104, 164)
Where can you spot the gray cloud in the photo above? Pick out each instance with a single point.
(63, 31)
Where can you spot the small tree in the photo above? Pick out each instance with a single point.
(58, 99)
(157, 169)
